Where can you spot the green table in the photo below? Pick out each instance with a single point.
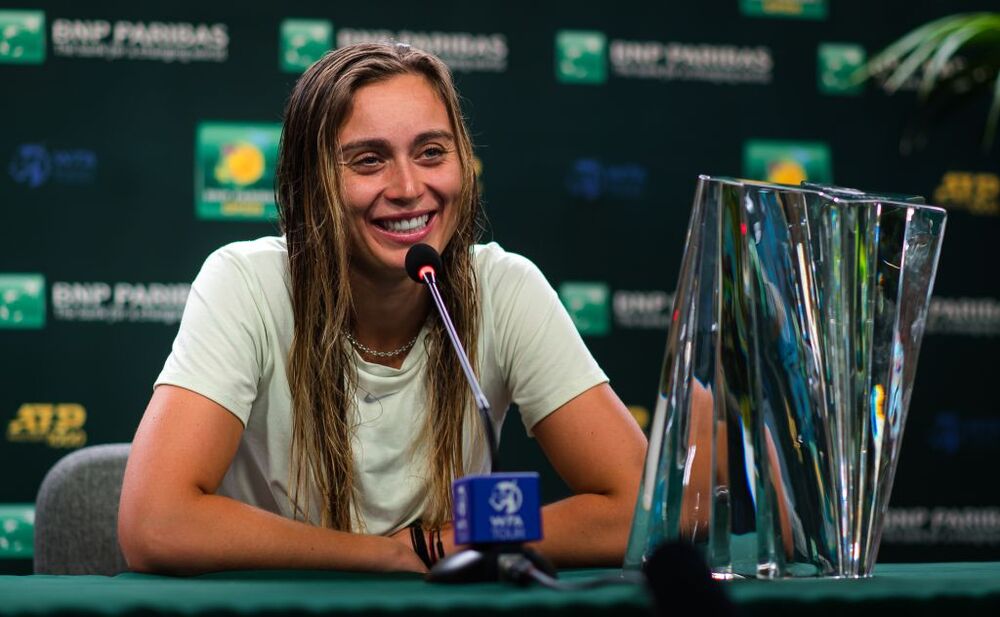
(931, 589)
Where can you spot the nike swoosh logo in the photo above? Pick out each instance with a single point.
(371, 398)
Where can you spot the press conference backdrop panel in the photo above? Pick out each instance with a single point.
(135, 140)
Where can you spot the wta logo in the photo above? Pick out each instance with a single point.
(506, 497)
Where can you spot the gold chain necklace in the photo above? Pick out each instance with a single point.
(374, 352)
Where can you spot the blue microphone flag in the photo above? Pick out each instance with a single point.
(497, 508)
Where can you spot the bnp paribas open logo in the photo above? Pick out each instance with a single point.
(787, 162)
(581, 57)
(304, 41)
(17, 530)
(22, 301)
(588, 305)
(794, 9)
(22, 37)
(234, 171)
(837, 66)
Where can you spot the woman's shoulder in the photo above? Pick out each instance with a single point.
(261, 263)
(269, 249)
(493, 263)
(505, 274)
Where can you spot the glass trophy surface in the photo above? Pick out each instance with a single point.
(786, 378)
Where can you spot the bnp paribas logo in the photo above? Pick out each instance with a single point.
(581, 57)
(22, 301)
(234, 171)
(787, 162)
(304, 41)
(795, 9)
(22, 37)
(837, 65)
(588, 306)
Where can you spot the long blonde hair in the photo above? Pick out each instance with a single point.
(322, 375)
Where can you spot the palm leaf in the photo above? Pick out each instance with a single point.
(892, 55)
(992, 117)
(977, 28)
(932, 46)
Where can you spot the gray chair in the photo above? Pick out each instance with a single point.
(76, 513)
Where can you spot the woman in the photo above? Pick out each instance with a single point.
(312, 409)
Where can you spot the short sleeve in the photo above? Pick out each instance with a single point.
(539, 351)
(220, 347)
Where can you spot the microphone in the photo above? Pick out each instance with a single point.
(422, 259)
(423, 264)
(494, 513)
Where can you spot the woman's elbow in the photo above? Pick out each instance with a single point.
(146, 540)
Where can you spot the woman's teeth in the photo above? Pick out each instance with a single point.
(406, 225)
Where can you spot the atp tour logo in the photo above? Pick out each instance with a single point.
(975, 192)
(22, 37)
(56, 425)
(234, 171)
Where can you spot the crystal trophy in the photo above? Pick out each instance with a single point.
(786, 378)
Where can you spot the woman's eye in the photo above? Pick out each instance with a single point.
(432, 153)
(367, 161)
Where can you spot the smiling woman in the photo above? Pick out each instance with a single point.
(401, 187)
(311, 413)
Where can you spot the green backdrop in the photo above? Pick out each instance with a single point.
(135, 140)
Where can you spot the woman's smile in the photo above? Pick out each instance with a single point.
(407, 228)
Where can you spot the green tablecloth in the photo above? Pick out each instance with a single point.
(931, 589)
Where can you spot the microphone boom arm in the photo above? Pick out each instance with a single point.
(482, 404)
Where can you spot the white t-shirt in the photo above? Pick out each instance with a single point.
(233, 344)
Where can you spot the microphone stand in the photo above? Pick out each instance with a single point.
(482, 403)
(486, 562)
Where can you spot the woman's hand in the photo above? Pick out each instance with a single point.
(406, 559)
(447, 535)
(448, 540)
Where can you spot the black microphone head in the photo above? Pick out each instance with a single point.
(419, 257)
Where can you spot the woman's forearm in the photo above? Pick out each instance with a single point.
(586, 530)
(582, 530)
(206, 533)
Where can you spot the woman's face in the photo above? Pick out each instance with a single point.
(401, 174)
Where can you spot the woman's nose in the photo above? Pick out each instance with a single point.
(404, 182)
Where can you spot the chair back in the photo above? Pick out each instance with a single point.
(76, 513)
